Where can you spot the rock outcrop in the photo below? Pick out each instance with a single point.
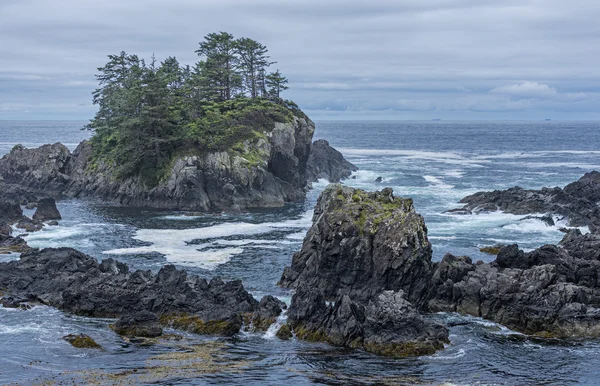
(363, 271)
(361, 244)
(43, 169)
(553, 291)
(577, 202)
(46, 210)
(10, 211)
(328, 163)
(267, 171)
(74, 282)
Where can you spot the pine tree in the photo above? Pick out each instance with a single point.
(219, 69)
(276, 84)
(253, 61)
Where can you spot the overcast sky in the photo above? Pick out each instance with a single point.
(350, 59)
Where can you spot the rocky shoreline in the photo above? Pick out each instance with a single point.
(577, 202)
(265, 172)
(364, 278)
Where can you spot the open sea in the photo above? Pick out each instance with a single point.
(436, 163)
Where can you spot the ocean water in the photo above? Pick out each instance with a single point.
(435, 163)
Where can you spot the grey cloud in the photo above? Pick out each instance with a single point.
(412, 58)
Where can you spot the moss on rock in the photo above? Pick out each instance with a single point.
(82, 341)
(284, 332)
(196, 325)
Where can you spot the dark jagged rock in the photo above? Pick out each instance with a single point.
(546, 219)
(267, 171)
(578, 202)
(268, 310)
(379, 179)
(361, 244)
(81, 341)
(385, 325)
(74, 282)
(43, 169)
(553, 291)
(10, 212)
(46, 210)
(9, 244)
(367, 253)
(141, 324)
(328, 163)
(5, 229)
(29, 225)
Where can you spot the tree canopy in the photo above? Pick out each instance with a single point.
(148, 111)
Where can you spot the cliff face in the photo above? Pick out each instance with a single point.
(263, 172)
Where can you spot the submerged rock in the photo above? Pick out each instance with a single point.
(81, 341)
(577, 202)
(328, 163)
(74, 282)
(46, 210)
(363, 271)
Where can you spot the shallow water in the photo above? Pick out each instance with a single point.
(435, 163)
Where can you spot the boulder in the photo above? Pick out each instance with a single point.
(46, 210)
(74, 282)
(328, 163)
(269, 308)
(29, 225)
(81, 341)
(140, 324)
(5, 229)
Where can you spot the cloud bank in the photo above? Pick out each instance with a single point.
(346, 59)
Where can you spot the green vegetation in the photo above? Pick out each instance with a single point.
(149, 112)
(81, 341)
(371, 209)
(196, 325)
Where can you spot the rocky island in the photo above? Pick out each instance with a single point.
(216, 137)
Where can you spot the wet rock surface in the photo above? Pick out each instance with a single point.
(328, 163)
(81, 341)
(74, 282)
(361, 244)
(553, 291)
(363, 271)
(577, 202)
(46, 210)
(140, 324)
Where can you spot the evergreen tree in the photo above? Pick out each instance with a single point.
(276, 84)
(253, 61)
(146, 112)
(219, 69)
